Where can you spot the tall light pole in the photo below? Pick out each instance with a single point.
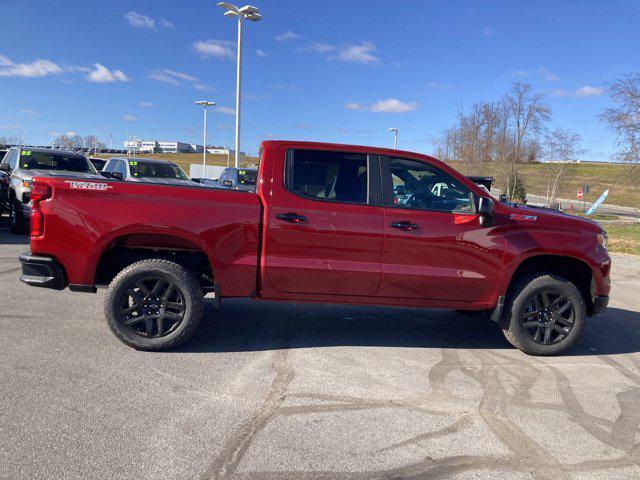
(249, 13)
(395, 137)
(205, 104)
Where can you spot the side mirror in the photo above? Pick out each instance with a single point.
(117, 175)
(106, 174)
(485, 211)
(227, 183)
(503, 197)
(4, 167)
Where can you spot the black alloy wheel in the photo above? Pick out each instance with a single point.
(548, 317)
(152, 307)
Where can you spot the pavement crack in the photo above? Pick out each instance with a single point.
(230, 457)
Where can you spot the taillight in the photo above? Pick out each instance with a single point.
(39, 192)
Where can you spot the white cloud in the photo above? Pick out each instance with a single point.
(166, 23)
(393, 105)
(37, 68)
(388, 105)
(101, 74)
(70, 133)
(8, 127)
(261, 53)
(215, 48)
(138, 20)
(320, 47)
(581, 92)
(171, 77)
(285, 36)
(227, 110)
(360, 53)
(520, 73)
(488, 31)
(588, 91)
(146, 104)
(203, 87)
(548, 76)
(128, 118)
(28, 111)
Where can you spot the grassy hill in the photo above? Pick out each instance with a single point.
(623, 190)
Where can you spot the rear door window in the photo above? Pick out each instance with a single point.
(328, 176)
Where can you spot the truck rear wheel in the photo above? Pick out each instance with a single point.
(154, 304)
(544, 314)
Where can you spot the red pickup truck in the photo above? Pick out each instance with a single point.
(327, 223)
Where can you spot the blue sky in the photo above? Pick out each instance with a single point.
(339, 71)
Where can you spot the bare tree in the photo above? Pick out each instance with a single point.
(93, 143)
(624, 118)
(68, 142)
(561, 148)
(527, 114)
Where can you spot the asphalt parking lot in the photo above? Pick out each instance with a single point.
(278, 391)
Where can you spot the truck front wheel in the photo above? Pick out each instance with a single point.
(544, 314)
(154, 304)
(17, 224)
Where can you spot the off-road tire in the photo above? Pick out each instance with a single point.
(183, 279)
(520, 295)
(17, 224)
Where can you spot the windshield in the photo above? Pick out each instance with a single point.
(54, 161)
(141, 169)
(247, 177)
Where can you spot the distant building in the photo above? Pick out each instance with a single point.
(222, 150)
(156, 146)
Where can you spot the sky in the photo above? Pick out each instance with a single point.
(337, 71)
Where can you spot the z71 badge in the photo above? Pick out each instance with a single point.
(88, 185)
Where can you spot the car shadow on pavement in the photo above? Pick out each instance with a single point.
(243, 325)
(8, 238)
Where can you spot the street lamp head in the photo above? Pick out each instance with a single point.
(248, 12)
(230, 7)
(205, 103)
(393, 129)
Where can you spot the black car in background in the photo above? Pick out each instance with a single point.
(99, 163)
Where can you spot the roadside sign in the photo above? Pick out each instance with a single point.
(598, 202)
(580, 194)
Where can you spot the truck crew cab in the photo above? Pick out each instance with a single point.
(327, 223)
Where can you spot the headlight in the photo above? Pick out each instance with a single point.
(602, 240)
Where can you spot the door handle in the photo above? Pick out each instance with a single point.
(291, 217)
(405, 225)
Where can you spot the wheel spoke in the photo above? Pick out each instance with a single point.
(545, 299)
(536, 336)
(547, 334)
(563, 308)
(143, 288)
(158, 286)
(531, 324)
(148, 327)
(527, 315)
(168, 292)
(160, 323)
(537, 304)
(134, 320)
(175, 306)
(133, 308)
(558, 301)
(174, 317)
